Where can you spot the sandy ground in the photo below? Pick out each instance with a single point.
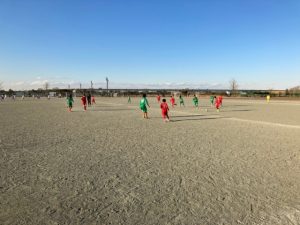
(110, 166)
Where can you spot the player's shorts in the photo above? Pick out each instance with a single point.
(164, 114)
(144, 109)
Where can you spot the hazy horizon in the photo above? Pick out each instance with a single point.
(113, 85)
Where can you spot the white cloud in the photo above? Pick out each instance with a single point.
(166, 85)
(19, 83)
(38, 82)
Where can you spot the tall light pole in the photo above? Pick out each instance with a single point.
(91, 87)
(69, 86)
(107, 84)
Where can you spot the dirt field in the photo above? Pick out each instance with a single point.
(110, 166)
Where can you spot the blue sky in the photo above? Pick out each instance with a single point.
(199, 43)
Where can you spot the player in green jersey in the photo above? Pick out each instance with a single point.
(181, 102)
(143, 106)
(129, 99)
(70, 101)
(195, 101)
(212, 99)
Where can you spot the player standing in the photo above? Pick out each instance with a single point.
(195, 101)
(70, 101)
(172, 100)
(158, 98)
(143, 106)
(93, 100)
(212, 99)
(129, 100)
(83, 101)
(181, 101)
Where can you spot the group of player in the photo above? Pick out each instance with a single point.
(86, 100)
(89, 100)
(3, 97)
(14, 98)
(214, 100)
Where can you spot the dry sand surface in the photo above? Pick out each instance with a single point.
(110, 166)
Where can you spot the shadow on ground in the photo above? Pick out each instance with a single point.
(238, 110)
(193, 119)
(102, 110)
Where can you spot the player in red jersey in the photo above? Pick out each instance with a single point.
(172, 100)
(221, 100)
(218, 104)
(93, 100)
(164, 110)
(158, 98)
(83, 101)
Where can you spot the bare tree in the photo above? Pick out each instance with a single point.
(46, 85)
(233, 85)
